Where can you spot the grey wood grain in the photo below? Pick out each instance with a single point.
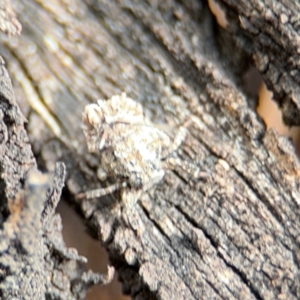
(231, 235)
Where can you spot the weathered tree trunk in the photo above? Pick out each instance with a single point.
(232, 235)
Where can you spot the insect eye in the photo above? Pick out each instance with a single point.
(102, 136)
(101, 145)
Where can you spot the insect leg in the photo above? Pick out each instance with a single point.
(179, 138)
(99, 192)
(101, 174)
(131, 215)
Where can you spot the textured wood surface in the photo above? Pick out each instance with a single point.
(34, 261)
(269, 32)
(231, 235)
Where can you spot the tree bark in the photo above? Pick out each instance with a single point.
(232, 235)
(269, 32)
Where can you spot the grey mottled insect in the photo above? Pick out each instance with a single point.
(132, 151)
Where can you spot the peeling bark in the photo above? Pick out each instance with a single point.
(34, 261)
(269, 31)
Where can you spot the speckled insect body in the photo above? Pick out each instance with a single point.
(133, 152)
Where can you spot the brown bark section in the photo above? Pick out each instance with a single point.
(234, 235)
(34, 261)
(270, 32)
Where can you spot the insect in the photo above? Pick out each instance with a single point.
(132, 150)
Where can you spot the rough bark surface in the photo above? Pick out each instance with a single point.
(270, 32)
(34, 261)
(234, 235)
